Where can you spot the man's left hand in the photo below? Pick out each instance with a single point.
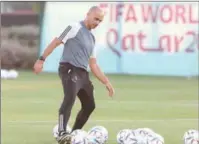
(110, 88)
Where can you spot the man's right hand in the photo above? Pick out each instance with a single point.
(38, 66)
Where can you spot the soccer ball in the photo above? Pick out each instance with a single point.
(135, 138)
(191, 137)
(159, 137)
(154, 140)
(122, 136)
(144, 132)
(4, 74)
(79, 139)
(98, 134)
(56, 132)
(79, 132)
(12, 74)
(149, 135)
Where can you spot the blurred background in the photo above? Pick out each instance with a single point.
(20, 34)
(149, 50)
(136, 38)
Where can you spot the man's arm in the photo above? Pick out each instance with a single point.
(97, 71)
(95, 68)
(65, 35)
(100, 75)
(69, 32)
(38, 66)
(55, 43)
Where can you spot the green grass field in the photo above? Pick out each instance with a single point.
(168, 105)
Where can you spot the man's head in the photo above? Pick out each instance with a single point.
(94, 16)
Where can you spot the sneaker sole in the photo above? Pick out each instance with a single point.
(65, 140)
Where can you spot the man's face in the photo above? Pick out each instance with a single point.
(95, 18)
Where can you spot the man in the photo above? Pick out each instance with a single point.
(77, 55)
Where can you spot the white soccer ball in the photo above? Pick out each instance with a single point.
(159, 137)
(56, 132)
(79, 132)
(4, 74)
(122, 136)
(191, 137)
(144, 132)
(79, 139)
(149, 135)
(136, 138)
(98, 134)
(12, 74)
(154, 140)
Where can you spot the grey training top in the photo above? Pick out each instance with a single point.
(79, 45)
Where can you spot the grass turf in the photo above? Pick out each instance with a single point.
(168, 105)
